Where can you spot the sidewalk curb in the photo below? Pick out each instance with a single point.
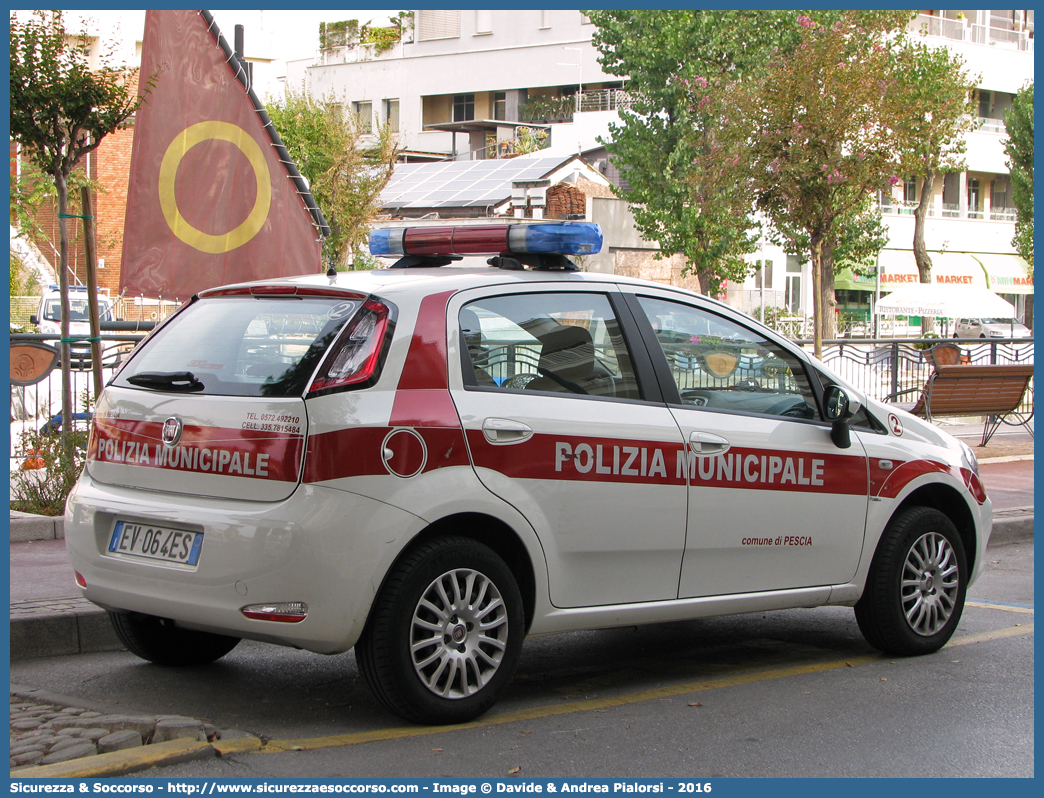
(117, 763)
(57, 627)
(1011, 526)
(26, 527)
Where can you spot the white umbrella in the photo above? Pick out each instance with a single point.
(945, 301)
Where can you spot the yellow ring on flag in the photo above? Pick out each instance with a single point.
(182, 143)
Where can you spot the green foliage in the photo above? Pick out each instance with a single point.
(825, 127)
(349, 33)
(939, 99)
(32, 191)
(49, 465)
(941, 111)
(346, 174)
(547, 109)
(686, 189)
(773, 316)
(61, 108)
(1019, 149)
(529, 140)
(338, 34)
(43, 488)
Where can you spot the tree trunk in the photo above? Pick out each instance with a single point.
(92, 288)
(817, 294)
(829, 297)
(61, 184)
(707, 281)
(924, 263)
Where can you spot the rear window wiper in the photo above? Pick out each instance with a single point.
(184, 381)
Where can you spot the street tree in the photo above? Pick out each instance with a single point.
(1019, 149)
(686, 192)
(823, 127)
(61, 109)
(939, 96)
(346, 165)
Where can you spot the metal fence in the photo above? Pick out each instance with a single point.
(883, 367)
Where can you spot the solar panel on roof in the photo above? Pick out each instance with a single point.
(462, 183)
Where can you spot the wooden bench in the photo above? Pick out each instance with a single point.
(993, 391)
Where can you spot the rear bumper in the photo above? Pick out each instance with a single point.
(326, 548)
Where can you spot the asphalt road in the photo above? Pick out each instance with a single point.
(786, 694)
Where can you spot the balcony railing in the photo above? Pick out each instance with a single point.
(989, 125)
(960, 30)
(606, 100)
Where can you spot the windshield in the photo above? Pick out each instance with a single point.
(78, 309)
(1000, 321)
(241, 346)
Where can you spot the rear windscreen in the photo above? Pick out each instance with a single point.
(243, 345)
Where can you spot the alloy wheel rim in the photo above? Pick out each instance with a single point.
(930, 582)
(458, 634)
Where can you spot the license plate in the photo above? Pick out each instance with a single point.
(156, 543)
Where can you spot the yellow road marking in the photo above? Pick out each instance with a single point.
(996, 634)
(355, 738)
(1026, 610)
(568, 708)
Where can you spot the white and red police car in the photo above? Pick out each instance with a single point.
(431, 462)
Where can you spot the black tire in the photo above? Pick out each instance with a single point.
(159, 640)
(917, 615)
(410, 680)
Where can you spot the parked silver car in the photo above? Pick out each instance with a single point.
(991, 328)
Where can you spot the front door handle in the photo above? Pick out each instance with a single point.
(707, 443)
(500, 431)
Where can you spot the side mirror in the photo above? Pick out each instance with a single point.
(34, 319)
(836, 409)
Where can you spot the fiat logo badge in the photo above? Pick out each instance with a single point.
(172, 428)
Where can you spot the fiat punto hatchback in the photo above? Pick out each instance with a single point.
(430, 462)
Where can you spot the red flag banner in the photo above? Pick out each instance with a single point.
(213, 197)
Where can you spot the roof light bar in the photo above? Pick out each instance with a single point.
(559, 238)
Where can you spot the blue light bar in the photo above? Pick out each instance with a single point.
(551, 238)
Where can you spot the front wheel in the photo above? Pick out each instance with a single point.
(443, 640)
(914, 593)
(159, 640)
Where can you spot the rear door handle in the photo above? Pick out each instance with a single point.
(707, 443)
(500, 431)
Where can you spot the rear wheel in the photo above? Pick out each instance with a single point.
(443, 640)
(159, 640)
(914, 593)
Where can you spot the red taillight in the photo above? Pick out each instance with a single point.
(354, 358)
(281, 612)
(80, 580)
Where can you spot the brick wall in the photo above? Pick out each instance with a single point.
(113, 172)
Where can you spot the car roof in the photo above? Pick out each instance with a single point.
(426, 280)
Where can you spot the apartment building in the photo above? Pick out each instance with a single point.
(460, 84)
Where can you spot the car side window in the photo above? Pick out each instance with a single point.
(566, 342)
(721, 365)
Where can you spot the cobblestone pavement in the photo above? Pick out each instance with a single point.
(45, 734)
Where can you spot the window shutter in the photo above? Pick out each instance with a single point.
(437, 25)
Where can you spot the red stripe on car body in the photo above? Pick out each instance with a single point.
(214, 450)
(586, 459)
